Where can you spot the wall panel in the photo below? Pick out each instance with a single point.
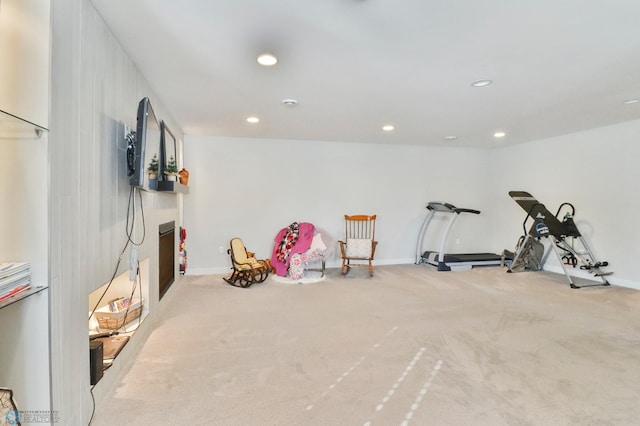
(95, 93)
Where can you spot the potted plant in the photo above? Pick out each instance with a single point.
(171, 170)
(152, 170)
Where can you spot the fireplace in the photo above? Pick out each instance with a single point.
(166, 257)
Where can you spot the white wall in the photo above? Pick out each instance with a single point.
(24, 92)
(24, 59)
(251, 188)
(24, 351)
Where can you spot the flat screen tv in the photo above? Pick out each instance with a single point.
(145, 147)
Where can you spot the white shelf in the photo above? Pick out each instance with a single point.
(170, 186)
(23, 295)
(13, 127)
(25, 230)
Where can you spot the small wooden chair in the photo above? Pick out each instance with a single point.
(247, 269)
(359, 244)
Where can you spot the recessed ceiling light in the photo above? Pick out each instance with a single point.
(481, 83)
(253, 120)
(267, 59)
(499, 134)
(387, 128)
(631, 101)
(450, 138)
(289, 102)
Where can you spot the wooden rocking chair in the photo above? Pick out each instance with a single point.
(359, 244)
(247, 269)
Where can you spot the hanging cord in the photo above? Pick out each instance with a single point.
(137, 285)
(131, 213)
(93, 409)
(115, 272)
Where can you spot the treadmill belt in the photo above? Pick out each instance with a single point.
(471, 257)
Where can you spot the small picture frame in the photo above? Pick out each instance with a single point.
(169, 154)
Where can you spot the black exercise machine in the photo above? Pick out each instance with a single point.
(547, 225)
(446, 261)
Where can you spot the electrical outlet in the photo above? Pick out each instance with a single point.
(221, 250)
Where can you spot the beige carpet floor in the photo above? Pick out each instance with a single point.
(410, 346)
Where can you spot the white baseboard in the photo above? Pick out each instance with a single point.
(393, 262)
(331, 264)
(208, 271)
(336, 264)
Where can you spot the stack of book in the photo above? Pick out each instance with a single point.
(15, 277)
(116, 305)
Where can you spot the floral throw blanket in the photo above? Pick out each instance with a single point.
(288, 241)
(299, 263)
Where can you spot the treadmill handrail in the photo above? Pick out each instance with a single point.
(461, 210)
(449, 208)
(440, 207)
(445, 237)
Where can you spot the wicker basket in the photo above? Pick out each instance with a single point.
(114, 320)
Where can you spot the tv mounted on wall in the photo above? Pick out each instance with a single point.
(146, 145)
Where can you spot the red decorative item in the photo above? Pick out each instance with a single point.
(182, 252)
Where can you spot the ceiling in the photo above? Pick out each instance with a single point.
(355, 65)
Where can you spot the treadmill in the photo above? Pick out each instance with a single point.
(447, 261)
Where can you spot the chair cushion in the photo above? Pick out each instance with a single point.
(359, 247)
(248, 263)
(238, 249)
(242, 260)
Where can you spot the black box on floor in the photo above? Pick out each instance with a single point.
(95, 361)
